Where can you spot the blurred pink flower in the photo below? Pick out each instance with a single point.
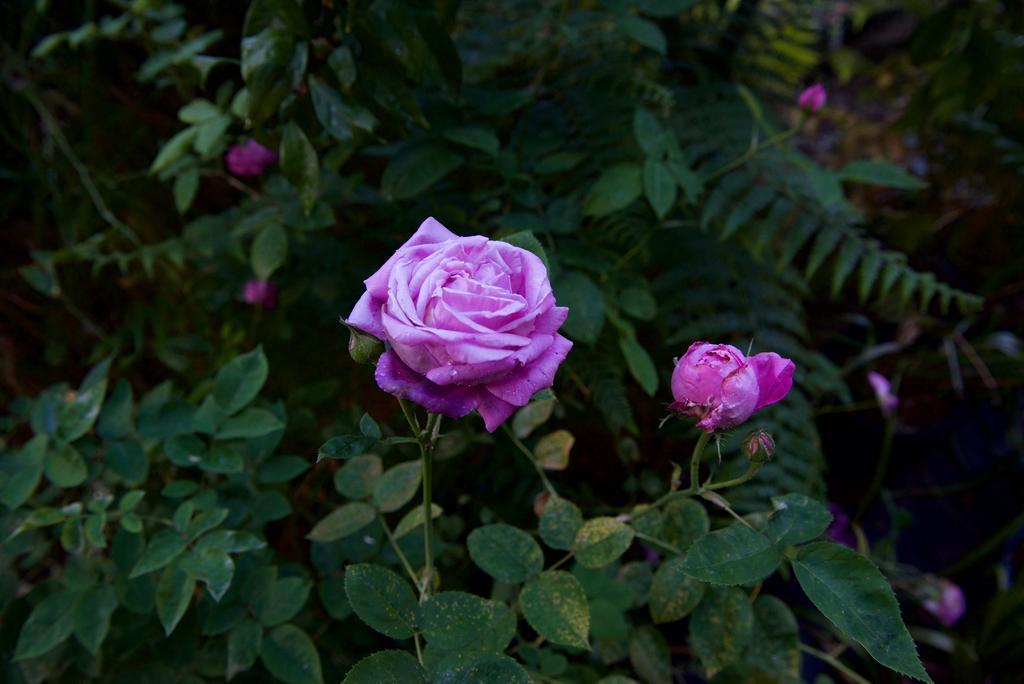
(812, 98)
(260, 293)
(948, 604)
(883, 392)
(249, 159)
(839, 531)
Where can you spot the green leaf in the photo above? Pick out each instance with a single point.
(664, 8)
(721, 628)
(343, 65)
(774, 646)
(333, 598)
(397, 486)
(161, 550)
(505, 553)
(50, 623)
(240, 380)
(77, 415)
(850, 591)
(127, 459)
(640, 364)
(732, 555)
(64, 466)
(600, 541)
(21, 471)
(457, 621)
(417, 167)
(532, 416)
(92, 614)
(649, 655)
(185, 187)
(559, 523)
(673, 595)
(116, 417)
(244, 645)
(381, 599)
(337, 116)
(173, 594)
(414, 518)
(368, 426)
(478, 668)
(386, 667)
(644, 32)
(653, 137)
(638, 303)
(342, 522)
(877, 172)
(476, 136)
(232, 541)
(617, 188)
(797, 519)
(289, 654)
(660, 187)
(556, 607)
(552, 450)
(345, 447)
(213, 567)
(249, 424)
(198, 111)
(357, 478)
(269, 251)
(690, 182)
(173, 149)
(684, 522)
(586, 306)
(282, 469)
(300, 165)
(284, 599)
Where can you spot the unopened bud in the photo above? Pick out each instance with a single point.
(758, 446)
(363, 348)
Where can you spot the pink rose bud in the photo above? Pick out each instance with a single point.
(947, 602)
(758, 447)
(883, 392)
(363, 348)
(249, 159)
(721, 387)
(471, 323)
(813, 98)
(260, 293)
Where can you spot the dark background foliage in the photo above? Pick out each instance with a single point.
(510, 119)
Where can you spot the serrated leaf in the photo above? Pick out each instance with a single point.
(560, 523)
(240, 380)
(345, 447)
(164, 547)
(797, 518)
(649, 654)
(382, 600)
(244, 645)
(386, 667)
(49, 623)
(173, 594)
(397, 486)
(673, 595)
(475, 668)
(616, 188)
(21, 471)
(290, 655)
(721, 628)
(586, 306)
(357, 478)
(416, 168)
(732, 555)
(555, 605)
(92, 614)
(552, 450)
(505, 553)
(684, 521)
(250, 424)
(457, 621)
(213, 567)
(850, 591)
(284, 599)
(342, 522)
(300, 164)
(600, 541)
(660, 187)
(269, 251)
(414, 518)
(653, 137)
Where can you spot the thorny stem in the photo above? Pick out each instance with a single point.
(529, 456)
(698, 452)
(428, 441)
(834, 662)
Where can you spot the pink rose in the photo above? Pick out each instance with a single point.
(249, 159)
(883, 392)
(813, 98)
(947, 602)
(719, 385)
(260, 293)
(471, 323)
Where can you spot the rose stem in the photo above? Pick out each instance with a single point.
(529, 456)
(698, 452)
(427, 452)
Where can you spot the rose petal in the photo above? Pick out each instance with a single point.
(774, 377)
(518, 386)
(493, 410)
(394, 377)
(366, 316)
(430, 232)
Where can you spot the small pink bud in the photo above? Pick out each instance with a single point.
(812, 98)
(883, 392)
(260, 293)
(839, 530)
(758, 447)
(947, 602)
(249, 159)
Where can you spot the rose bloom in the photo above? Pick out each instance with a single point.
(812, 98)
(883, 392)
(470, 323)
(249, 159)
(947, 602)
(260, 293)
(721, 387)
